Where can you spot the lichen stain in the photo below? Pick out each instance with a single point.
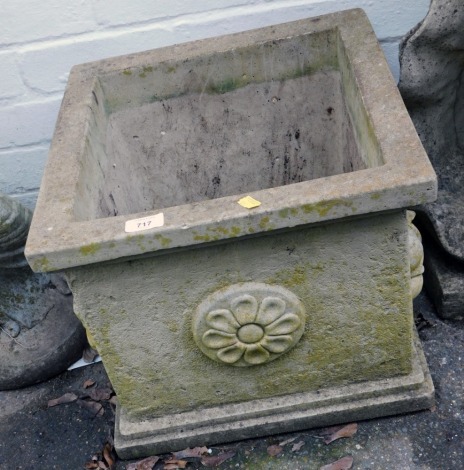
(202, 238)
(225, 86)
(290, 277)
(165, 241)
(264, 223)
(324, 207)
(235, 231)
(221, 230)
(90, 249)
(173, 326)
(145, 70)
(42, 265)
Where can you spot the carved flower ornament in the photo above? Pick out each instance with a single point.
(249, 324)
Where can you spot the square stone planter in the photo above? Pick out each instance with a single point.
(220, 317)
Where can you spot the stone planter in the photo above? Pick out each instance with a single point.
(220, 317)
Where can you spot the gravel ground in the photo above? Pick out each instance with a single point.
(34, 436)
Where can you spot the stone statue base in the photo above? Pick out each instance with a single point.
(432, 86)
(40, 336)
(444, 281)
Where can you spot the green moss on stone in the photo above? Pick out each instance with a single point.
(225, 86)
(145, 70)
(202, 238)
(41, 265)
(165, 241)
(222, 230)
(290, 277)
(90, 249)
(235, 231)
(324, 207)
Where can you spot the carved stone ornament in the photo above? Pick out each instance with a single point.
(416, 256)
(248, 324)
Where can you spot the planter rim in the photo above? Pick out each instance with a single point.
(58, 240)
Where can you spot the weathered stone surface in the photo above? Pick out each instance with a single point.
(39, 334)
(161, 146)
(432, 66)
(248, 324)
(14, 226)
(353, 279)
(444, 279)
(416, 256)
(99, 183)
(276, 415)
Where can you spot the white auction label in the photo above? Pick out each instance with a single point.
(145, 223)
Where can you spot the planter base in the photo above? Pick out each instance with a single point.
(276, 415)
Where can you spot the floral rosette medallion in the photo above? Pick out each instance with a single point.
(248, 324)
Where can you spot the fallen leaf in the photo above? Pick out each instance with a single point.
(99, 394)
(344, 463)
(186, 453)
(216, 460)
(91, 465)
(145, 464)
(287, 441)
(88, 383)
(114, 400)
(95, 408)
(108, 455)
(66, 398)
(296, 447)
(89, 355)
(346, 431)
(173, 464)
(103, 466)
(273, 451)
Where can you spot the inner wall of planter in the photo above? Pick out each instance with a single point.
(231, 123)
(265, 135)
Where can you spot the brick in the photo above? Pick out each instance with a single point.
(11, 84)
(392, 21)
(47, 69)
(124, 12)
(21, 169)
(28, 123)
(30, 20)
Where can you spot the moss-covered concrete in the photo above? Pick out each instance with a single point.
(352, 277)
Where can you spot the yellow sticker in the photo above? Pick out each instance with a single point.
(248, 202)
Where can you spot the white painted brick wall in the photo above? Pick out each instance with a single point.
(41, 40)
